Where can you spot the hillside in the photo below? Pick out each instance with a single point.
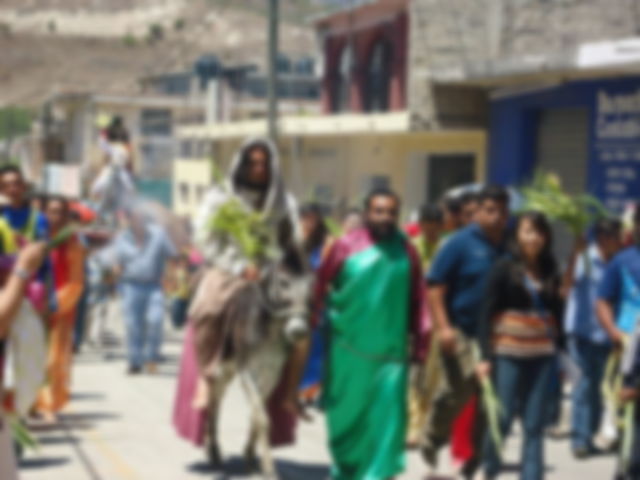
(107, 45)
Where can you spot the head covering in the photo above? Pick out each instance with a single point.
(278, 203)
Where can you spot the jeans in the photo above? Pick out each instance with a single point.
(522, 386)
(179, 310)
(591, 359)
(143, 306)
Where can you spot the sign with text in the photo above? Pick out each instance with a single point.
(63, 180)
(616, 145)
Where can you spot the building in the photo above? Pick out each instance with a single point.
(236, 92)
(379, 124)
(76, 121)
(563, 88)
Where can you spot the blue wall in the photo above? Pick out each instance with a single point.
(613, 169)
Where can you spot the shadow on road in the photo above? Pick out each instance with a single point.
(43, 462)
(57, 440)
(288, 470)
(517, 468)
(72, 421)
(92, 396)
(236, 468)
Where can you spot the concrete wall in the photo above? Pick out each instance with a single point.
(446, 35)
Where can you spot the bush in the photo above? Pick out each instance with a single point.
(5, 29)
(129, 40)
(14, 121)
(156, 33)
(179, 24)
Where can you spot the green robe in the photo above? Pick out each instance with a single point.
(370, 299)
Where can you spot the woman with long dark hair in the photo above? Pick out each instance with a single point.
(519, 334)
(316, 237)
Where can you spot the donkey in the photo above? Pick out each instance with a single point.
(277, 310)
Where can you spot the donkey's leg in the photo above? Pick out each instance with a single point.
(260, 424)
(217, 389)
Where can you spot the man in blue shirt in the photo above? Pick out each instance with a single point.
(457, 283)
(141, 253)
(619, 293)
(589, 344)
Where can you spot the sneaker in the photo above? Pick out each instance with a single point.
(584, 452)
(152, 368)
(134, 370)
(430, 456)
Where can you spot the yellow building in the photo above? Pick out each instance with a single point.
(191, 179)
(337, 159)
(385, 122)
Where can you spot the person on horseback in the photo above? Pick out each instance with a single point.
(254, 185)
(114, 188)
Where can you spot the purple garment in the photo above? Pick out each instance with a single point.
(188, 422)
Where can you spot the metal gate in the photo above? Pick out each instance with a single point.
(562, 148)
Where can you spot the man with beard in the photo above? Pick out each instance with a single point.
(372, 285)
(253, 182)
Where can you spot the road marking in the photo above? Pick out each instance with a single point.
(125, 471)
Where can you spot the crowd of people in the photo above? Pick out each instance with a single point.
(470, 292)
(406, 326)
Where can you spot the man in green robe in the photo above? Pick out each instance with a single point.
(370, 288)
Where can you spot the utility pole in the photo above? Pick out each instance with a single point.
(272, 63)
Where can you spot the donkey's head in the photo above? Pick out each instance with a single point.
(287, 294)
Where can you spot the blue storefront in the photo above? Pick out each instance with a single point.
(586, 131)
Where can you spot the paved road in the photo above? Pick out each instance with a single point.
(118, 428)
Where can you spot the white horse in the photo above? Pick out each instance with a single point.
(113, 189)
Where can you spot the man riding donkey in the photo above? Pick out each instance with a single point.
(241, 257)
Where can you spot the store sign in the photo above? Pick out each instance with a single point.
(609, 53)
(616, 146)
(62, 180)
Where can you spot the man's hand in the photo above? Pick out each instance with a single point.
(30, 258)
(447, 340)
(295, 408)
(251, 273)
(628, 395)
(483, 370)
(618, 339)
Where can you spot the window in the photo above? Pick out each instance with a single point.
(374, 182)
(446, 171)
(156, 122)
(201, 191)
(184, 192)
(323, 194)
(186, 148)
(378, 77)
(341, 86)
